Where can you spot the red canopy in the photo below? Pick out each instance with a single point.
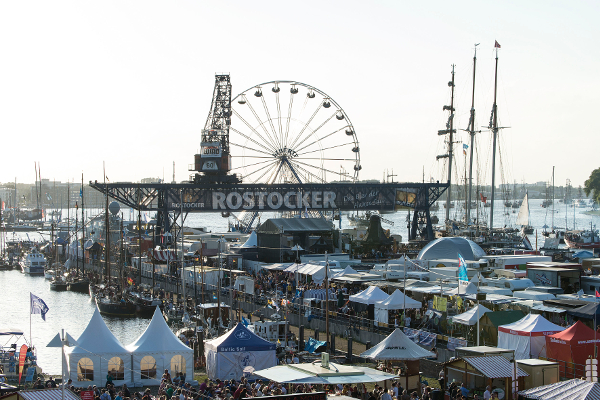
(571, 348)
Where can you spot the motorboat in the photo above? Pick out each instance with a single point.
(33, 263)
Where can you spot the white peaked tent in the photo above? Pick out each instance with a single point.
(396, 301)
(158, 349)
(230, 354)
(397, 346)
(463, 289)
(470, 317)
(252, 241)
(97, 352)
(527, 336)
(346, 271)
(369, 296)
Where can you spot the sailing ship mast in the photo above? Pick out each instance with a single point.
(472, 134)
(494, 126)
(449, 130)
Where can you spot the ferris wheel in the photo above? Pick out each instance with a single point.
(290, 132)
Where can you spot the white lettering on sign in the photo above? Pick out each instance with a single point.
(273, 200)
(187, 205)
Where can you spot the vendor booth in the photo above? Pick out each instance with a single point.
(396, 301)
(230, 354)
(399, 348)
(470, 317)
(365, 300)
(527, 336)
(478, 372)
(571, 348)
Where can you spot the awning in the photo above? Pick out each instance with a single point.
(574, 389)
(316, 374)
(494, 366)
(277, 267)
(164, 255)
(47, 394)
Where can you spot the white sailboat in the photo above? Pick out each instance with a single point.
(523, 216)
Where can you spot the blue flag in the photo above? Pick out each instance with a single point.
(38, 306)
(462, 269)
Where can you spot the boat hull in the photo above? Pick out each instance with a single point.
(33, 271)
(579, 245)
(81, 286)
(119, 309)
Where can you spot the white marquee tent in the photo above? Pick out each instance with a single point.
(396, 301)
(158, 349)
(369, 296)
(527, 336)
(470, 317)
(228, 355)
(97, 352)
(397, 346)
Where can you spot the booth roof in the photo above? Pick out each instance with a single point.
(370, 295)
(158, 337)
(573, 389)
(588, 311)
(494, 366)
(397, 346)
(281, 225)
(531, 325)
(468, 289)
(238, 337)
(396, 302)
(97, 339)
(314, 373)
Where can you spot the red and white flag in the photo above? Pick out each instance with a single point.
(597, 294)
(497, 44)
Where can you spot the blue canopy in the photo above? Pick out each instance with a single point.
(312, 345)
(241, 338)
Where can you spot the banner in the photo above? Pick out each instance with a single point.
(440, 303)
(87, 395)
(453, 343)
(422, 338)
(22, 355)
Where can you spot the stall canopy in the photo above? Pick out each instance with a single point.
(396, 301)
(573, 389)
(346, 271)
(527, 336)
(316, 373)
(573, 345)
(586, 312)
(449, 248)
(470, 317)
(369, 296)
(397, 346)
(228, 355)
(463, 290)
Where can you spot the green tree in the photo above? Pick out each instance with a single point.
(592, 185)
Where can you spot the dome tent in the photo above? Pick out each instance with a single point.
(228, 355)
(449, 248)
(97, 352)
(159, 348)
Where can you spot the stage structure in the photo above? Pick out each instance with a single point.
(281, 146)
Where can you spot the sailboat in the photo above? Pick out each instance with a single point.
(523, 216)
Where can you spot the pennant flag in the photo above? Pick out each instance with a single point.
(130, 281)
(597, 294)
(38, 306)
(497, 45)
(465, 147)
(462, 269)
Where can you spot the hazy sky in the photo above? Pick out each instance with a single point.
(130, 82)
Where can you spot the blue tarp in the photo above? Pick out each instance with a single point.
(312, 345)
(241, 338)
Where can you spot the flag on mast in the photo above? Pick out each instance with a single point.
(38, 306)
(462, 270)
(497, 45)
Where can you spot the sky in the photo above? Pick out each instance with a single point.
(128, 84)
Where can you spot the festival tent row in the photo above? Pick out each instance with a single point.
(98, 352)
(527, 336)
